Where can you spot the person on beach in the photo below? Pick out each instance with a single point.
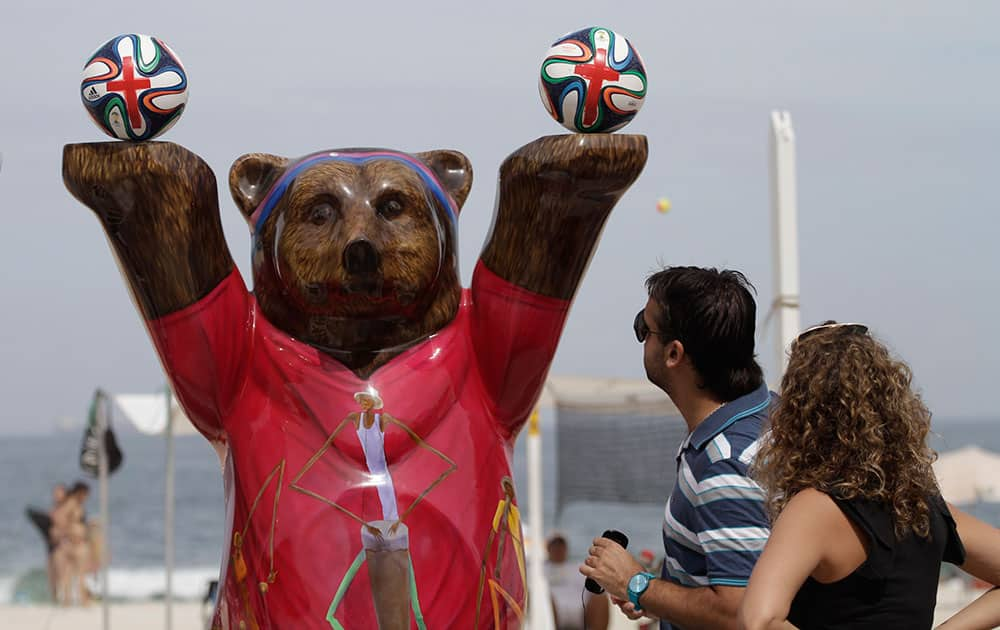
(42, 520)
(860, 528)
(72, 553)
(574, 608)
(697, 331)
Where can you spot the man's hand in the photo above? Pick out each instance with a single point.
(628, 609)
(610, 566)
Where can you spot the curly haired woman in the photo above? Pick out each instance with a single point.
(859, 526)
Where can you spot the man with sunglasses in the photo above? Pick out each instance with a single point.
(697, 331)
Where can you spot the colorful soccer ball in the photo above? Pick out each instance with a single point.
(592, 81)
(134, 87)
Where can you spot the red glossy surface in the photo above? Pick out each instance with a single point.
(451, 406)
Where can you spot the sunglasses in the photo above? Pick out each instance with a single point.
(847, 327)
(641, 328)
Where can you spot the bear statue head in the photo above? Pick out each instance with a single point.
(355, 251)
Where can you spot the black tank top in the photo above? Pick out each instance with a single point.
(895, 587)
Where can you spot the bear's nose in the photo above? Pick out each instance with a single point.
(360, 257)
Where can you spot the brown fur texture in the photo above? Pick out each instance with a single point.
(158, 204)
(555, 195)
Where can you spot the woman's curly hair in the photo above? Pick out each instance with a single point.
(848, 424)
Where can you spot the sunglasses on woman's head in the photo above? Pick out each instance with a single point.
(848, 327)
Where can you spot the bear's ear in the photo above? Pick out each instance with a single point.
(250, 177)
(454, 171)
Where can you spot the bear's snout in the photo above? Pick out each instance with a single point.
(360, 258)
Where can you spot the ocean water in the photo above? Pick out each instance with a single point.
(30, 466)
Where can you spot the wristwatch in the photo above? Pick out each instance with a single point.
(637, 586)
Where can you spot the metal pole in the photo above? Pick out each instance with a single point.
(168, 518)
(786, 246)
(103, 412)
(539, 603)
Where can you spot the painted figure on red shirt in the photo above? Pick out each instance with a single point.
(342, 514)
(385, 540)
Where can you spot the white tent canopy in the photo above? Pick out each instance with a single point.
(606, 394)
(148, 413)
(969, 475)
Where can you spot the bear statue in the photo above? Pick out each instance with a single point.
(368, 403)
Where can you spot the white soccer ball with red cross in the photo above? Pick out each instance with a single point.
(592, 81)
(134, 87)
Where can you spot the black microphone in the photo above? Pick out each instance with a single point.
(618, 537)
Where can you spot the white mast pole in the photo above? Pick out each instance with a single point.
(103, 412)
(539, 603)
(168, 529)
(786, 246)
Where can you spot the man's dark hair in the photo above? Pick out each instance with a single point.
(79, 487)
(713, 314)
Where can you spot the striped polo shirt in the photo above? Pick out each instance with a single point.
(715, 523)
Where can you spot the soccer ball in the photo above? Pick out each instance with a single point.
(134, 87)
(592, 81)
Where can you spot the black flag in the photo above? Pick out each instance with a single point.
(98, 428)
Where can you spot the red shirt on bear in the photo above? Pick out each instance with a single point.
(335, 469)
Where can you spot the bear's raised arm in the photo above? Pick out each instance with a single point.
(159, 206)
(555, 194)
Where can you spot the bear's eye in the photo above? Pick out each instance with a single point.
(321, 213)
(389, 208)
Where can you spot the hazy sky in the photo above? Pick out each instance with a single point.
(896, 107)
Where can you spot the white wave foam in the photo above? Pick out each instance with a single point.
(6, 589)
(189, 583)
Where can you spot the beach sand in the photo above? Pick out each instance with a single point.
(130, 616)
